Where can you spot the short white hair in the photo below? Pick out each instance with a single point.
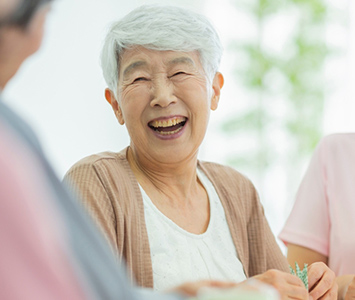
(162, 28)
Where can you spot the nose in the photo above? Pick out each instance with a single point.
(162, 93)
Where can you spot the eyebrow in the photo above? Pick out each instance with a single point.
(127, 71)
(135, 65)
(182, 60)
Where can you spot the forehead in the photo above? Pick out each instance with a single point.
(141, 57)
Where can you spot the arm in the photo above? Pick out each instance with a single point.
(303, 255)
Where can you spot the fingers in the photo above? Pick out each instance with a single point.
(294, 280)
(288, 286)
(331, 294)
(321, 281)
(316, 272)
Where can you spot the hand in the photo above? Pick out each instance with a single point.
(321, 282)
(289, 286)
(350, 293)
(191, 288)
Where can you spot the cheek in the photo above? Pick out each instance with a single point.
(194, 93)
(134, 101)
(193, 85)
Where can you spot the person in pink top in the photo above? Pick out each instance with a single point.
(321, 224)
(42, 250)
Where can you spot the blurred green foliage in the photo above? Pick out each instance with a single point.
(299, 68)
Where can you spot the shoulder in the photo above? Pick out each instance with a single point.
(224, 172)
(338, 140)
(236, 192)
(334, 147)
(100, 161)
(228, 179)
(101, 158)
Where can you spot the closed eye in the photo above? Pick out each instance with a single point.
(177, 74)
(140, 79)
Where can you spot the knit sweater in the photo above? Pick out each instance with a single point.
(110, 192)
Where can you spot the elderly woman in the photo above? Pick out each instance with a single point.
(172, 217)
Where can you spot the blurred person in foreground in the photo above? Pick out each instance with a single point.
(172, 217)
(320, 226)
(49, 249)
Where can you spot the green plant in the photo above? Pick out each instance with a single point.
(301, 274)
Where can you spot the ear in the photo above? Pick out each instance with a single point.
(110, 97)
(217, 84)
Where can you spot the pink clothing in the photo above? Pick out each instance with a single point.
(323, 217)
(33, 254)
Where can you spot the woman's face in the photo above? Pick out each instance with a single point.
(165, 98)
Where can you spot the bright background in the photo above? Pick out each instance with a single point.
(60, 90)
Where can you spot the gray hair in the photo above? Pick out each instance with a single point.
(160, 27)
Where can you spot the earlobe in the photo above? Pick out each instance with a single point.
(218, 82)
(110, 97)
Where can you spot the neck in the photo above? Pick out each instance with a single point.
(176, 180)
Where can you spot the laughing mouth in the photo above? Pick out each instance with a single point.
(168, 127)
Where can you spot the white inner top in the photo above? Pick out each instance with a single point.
(179, 256)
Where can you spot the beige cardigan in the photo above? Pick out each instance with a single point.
(110, 192)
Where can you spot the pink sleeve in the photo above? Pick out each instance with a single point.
(308, 224)
(34, 257)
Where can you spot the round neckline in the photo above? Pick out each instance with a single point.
(202, 177)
